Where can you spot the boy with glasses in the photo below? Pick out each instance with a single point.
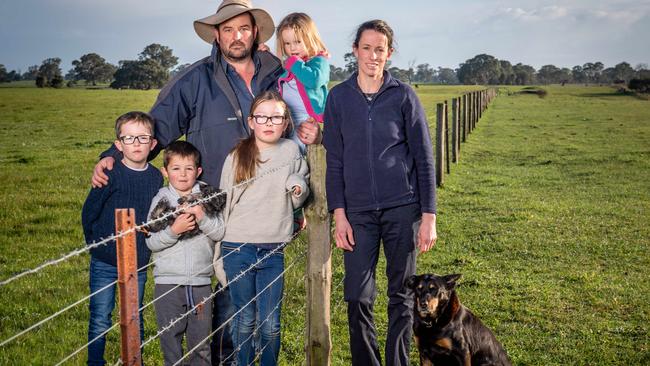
(133, 184)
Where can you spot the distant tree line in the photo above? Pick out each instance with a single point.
(152, 69)
(485, 69)
(155, 65)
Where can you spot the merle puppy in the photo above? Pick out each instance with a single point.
(211, 206)
(446, 332)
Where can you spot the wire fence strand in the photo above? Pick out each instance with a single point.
(240, 310)
(140, 227)
(236, 278)
(88, 344)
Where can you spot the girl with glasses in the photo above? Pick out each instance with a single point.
(265, 178)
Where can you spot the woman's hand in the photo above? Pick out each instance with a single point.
(100, 178)
(309, 132)
(343, 231)
(427, 234)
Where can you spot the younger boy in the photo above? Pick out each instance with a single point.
(183, 259)
(133, 183)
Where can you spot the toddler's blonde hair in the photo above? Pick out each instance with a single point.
(305, 28)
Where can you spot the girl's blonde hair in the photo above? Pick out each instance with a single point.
(305, 29)
(246, 154)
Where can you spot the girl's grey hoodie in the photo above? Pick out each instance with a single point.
(188, 261)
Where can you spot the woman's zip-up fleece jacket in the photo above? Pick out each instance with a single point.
(378, 152)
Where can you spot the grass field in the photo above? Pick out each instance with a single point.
(546, 216)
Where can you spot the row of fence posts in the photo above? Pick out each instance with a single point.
(466, 111)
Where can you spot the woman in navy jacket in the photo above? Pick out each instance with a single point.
(381, 188)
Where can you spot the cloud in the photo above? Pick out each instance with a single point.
(553, 12)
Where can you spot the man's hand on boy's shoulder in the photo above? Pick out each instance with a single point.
(100, 178)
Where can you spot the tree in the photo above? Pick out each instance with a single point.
(399, 74)
(161, 54)
(351, 65)
(447, 76)
(506, 73)
(93, 68)
(145, 74)
(337, 73)
(14, 75)
(31, 73)
(592, 71)
(410, 72)
(523, 74)
(49, 74)
(609, 76)
(3, 74)
(549, 74)
(564, 75)
(424, 73)
(578, 74)
(151, 70)
(482, 69)
(624, 71)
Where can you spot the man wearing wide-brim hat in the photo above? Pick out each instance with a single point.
(209, 102)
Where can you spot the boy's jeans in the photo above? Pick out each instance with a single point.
(262, 316)
(102, 304)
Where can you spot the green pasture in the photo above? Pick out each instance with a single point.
(546, 216)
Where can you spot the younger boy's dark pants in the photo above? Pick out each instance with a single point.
(393, 227)
(195, 327)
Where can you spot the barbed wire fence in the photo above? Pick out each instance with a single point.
(111, 240)
(466, 111)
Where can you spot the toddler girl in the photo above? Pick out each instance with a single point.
(307, 71)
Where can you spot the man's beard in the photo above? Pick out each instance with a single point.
(237, 55)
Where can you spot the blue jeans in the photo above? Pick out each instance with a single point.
(221, 344)
(102, 304)
(266, 308)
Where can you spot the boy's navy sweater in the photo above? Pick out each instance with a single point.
(379, 153)
(127, 188)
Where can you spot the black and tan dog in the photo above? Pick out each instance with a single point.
(446, 332)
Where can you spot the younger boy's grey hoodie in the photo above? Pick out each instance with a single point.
(187, 261)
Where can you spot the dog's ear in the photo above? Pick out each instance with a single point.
(410, 282)
(451, 279)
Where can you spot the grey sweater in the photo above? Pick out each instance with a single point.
(188, 261)
(262, 211)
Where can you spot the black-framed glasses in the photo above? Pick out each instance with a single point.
(262, 119)
(129, 140)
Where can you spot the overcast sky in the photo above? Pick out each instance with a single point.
(440, 33)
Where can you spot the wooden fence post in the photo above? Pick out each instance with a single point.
(470, 102)
(319, 264)
(455, 143)
(127, 282)
(475, 107)
(447, 154)
(440, 144)
(464, 117)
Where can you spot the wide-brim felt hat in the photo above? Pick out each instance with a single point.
(229, 9)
